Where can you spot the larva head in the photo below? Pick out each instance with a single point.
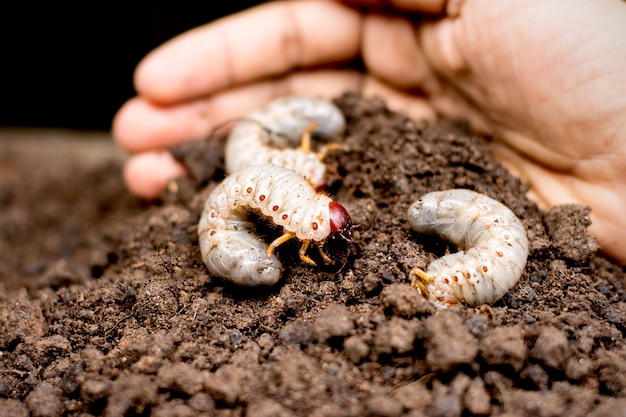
(340, 221)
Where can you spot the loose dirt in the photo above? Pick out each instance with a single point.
(106, 308)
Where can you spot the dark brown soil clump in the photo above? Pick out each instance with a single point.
(107, 308)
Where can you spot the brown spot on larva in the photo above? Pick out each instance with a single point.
(284, 216)
(468, 275)
(485, 269)
(314, 225)
(249, 190)
(213, 214)
(446, 280)
(455, 278)
(500, 254)
(262, 197)
(275, 208)
(212, 232)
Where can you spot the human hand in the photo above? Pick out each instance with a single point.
(547, 79)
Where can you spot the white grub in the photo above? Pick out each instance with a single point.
(273, 135)
(493, 244)
(229, 246)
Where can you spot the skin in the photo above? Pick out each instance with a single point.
(545, 78)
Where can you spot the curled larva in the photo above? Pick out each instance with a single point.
(228, 244)
(279, 134)
(493, 244)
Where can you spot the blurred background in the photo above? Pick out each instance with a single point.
(72, 67)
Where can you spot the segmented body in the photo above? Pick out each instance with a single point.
(493, 242)
(272, 135)
(229, 246)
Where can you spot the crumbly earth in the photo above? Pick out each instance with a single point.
(106, 308)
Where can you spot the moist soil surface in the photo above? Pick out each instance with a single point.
(107, 309)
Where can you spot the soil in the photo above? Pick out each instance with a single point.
(106, 308)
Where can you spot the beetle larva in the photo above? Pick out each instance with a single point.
(271, 135)
(493, 244)
(227, 241)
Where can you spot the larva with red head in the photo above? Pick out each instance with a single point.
(493, 243)
(227, 241)
(272, 134)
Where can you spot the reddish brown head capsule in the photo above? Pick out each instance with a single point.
(340, 221)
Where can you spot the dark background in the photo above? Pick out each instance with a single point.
(72, 67)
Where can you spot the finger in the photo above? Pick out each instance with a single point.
(418, 6)
(147, 174)
(433, 50)
(264, 41)
(140, 125)
(391, 51)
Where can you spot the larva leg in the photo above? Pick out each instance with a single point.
(305, 139)
(421, 275)
(305, 146)
(321, 154)
(302, 253)
(303, 256)
(305, 143)
(277, 242)
(420, 279)
(323, 254)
